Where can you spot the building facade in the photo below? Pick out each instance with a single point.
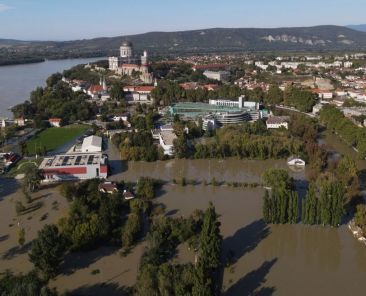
(128, 64)
(69, 167)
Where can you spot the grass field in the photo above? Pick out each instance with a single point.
(54, 137)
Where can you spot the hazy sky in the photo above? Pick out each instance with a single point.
(77, 19)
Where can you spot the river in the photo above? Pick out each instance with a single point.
(17, 81)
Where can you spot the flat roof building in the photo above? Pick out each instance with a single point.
(166, 140)
(81, 166)
(92, 144)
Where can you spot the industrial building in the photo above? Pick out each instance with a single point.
(67, 167)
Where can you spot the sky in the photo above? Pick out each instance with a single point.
(79, 19)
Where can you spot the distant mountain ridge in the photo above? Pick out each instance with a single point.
(318, 38)
(361, 28)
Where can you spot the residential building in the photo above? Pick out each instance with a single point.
(55, 122)
(108, 187)
(275, 122)
(139, 94)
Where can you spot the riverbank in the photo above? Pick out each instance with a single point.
(17, 81)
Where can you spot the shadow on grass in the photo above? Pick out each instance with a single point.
(251, 284)
(101, 289)
(15, 251)
(78, 260)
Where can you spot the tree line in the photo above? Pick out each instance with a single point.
(333, 193)
(157, 276)
(349, 132)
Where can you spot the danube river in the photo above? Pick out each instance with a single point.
(17, 81)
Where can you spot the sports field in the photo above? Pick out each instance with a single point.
(54, 137)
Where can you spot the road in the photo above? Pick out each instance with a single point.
(294, 110)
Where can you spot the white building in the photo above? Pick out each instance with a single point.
(92, 144)
(240, 103)
(217, 75)
(275, 122)
(55, 122)
(138, 94)
(69, 167)
(166, 140)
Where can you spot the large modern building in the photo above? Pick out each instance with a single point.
(81, 166)
(223, 111)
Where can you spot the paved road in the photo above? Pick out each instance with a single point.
(295, 110)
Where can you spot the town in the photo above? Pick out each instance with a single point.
(159, 168)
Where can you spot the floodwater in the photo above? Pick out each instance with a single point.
(230, 170)
(17, 81)
(275, 260)
(267, 260)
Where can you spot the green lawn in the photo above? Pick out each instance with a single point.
(54, 137)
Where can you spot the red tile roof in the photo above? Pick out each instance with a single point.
(54, 119)
(95, 88)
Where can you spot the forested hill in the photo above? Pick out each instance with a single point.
(320, 38)
(219, 39)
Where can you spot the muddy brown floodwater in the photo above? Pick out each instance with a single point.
(267, 260)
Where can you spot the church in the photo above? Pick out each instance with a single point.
(128, 64)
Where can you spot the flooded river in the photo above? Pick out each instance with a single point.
(275, 260)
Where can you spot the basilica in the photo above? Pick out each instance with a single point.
(128, 64)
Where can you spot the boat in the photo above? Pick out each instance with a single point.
(295, 161)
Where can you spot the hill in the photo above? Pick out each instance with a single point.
(361, 28)
(319, 38)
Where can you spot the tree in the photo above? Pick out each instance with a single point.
(209, 253)
(360, 217)
(146, 188)
(53, 79)
(131, 229)
(24, 285)
(310, 206)
(27, 195)
(274, 95)
(277, 178)
(180, 147)
(116, 91)
(47, 251)
(21, 236)
(31, 179)
(19, 207)
(266, 208)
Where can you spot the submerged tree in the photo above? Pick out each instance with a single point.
(208, 255)
(47, 251)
